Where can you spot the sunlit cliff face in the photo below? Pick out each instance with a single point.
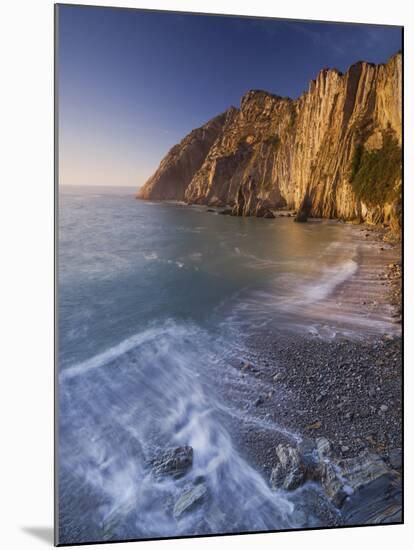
(274, 152)
(131, 84)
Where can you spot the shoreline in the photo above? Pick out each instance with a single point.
(345, 391)
(273, 390)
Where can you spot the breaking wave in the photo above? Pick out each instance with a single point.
(128, 405)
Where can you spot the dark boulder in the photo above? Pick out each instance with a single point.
(364, 487)
(301, 217)
(174, 462)
(304, 209)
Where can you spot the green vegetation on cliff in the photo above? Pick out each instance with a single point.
(374, 173)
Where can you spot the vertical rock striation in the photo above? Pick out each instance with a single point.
(179, 166)
(334, 152)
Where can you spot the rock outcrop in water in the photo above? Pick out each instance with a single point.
(174, 462)
(334, 152)
(363, 487)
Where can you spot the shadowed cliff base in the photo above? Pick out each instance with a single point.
(335, 152)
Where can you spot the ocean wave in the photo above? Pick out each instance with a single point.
(151, 256)
(168, 329)
(330, 279)
(158, 397)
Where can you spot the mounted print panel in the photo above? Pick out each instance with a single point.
(229, 274)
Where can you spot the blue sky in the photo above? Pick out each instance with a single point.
(134, 83)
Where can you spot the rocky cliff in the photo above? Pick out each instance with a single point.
(178, 167)
(334, 152)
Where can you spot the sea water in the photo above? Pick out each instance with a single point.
(153, 298)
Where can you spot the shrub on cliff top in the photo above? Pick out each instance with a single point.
(374, 173)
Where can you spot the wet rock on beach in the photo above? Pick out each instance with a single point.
(174, 462)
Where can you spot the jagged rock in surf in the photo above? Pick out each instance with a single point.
(364, 488)
(323, 449)
(290, 471)
(190, 499)
(341, 478)
(174, 462)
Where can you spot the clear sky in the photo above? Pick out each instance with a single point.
(134, 83)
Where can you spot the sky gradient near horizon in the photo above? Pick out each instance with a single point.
(132, 83)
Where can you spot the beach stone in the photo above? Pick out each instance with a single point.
(332, 483)
(174, 462)
(323, 448)
(314, 426)
(290, 471)
(190, 499)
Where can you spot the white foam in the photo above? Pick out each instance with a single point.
(151, 256)
(102, 359)
(330, 280)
